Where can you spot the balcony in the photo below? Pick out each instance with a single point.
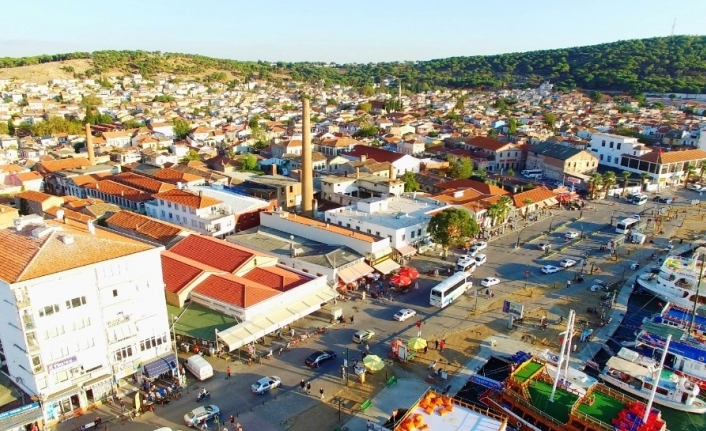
(28, 321)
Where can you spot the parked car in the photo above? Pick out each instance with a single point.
(567, 263)
(265, 384)
(481, 245)
(571, 235)
(363, 335)
(197, 415)
(319, 357)
(695, 187)
(404, 314)
(489, 281)
(549, 269)
(544, 246)
(481, 259)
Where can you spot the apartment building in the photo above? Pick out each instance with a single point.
(610, 148)
(192, 210)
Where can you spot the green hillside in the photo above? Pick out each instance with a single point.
(666, 64)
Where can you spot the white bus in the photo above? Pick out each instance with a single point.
(445, 292)
(531, 173)
(625, 225)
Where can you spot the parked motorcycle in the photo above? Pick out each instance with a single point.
(203, 395)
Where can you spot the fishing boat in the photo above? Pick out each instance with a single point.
(678, 280)
(579, 380)
(685, 356)
(641, 376)
(534, 400)
(681, 318)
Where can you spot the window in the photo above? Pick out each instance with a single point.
(348, 225)
(291, 189)
(377, 233)
(161, 202)
(609, 159)
(54, 332)
(192, 210)
(115, 293)
(123, 353)
(62, 376)
(618, 146)
(601, 157)
(419, 232)
(36, 363)
(76, 302)
(202, 225)
(178, 218)
(412, 236)
(357, 228)
(49, 310)
(163, 214)
(369, 231)
(404, 236)
(611, 145)
(152, 342)
(603, 144)
(169, 204)
(82, 323)
(183, 208)
(193, 223)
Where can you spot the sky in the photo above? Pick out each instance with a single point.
(336, 30)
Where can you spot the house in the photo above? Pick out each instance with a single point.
(412, 147)
(8, 215)
(609, 148)
(146, 228)
(336, 144)
(88, 313)
(401, 163)
(195, 211)
(285, 191)
(33, 202)
(118, 194)
(557, 161)
(245, 209)
(165, 129)
(664, 168)
(119, 139)
(530, 201)
(499, 156)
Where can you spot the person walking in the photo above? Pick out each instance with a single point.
(367, 348)
(343, 373)
(232, 422)
(302, 385)
(122, 406)
(308, 388)
(441, 345)
(416, 285)
(228, 372)
(321, 391)
(425, 349)
(436, 344)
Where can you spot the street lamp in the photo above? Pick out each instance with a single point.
(551, 222)
(347, 365)
(526, 275)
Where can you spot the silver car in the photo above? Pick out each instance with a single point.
(265, 384)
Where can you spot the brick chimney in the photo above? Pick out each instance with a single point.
(307, 169)
(89, 145)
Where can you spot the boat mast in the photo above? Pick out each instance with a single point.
(561, 353)
(656, 379)
(570, 336)
(696, 298)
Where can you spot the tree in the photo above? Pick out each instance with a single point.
(609, 180)
(191, 155)
(366, 130)
(460, 168)
(91, 102)
(248, 163)
(596, 96)
(410, 182)
(510, 172)
(4, 129)
(702, 170)
(644, 176)
(512, 126)
(492, 133)
(594, 183)
(10, 127)
(331, 102)
(527, 203)
(689, 171)
(367, 91)
(181, 128)
(550, 120)
(451, 227)
(365, 107)
(626, 176)
(495, 212)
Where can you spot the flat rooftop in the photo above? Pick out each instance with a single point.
(199, 322)
(237, 202)
(399, 212)
(458, 417)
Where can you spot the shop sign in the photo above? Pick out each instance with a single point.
(61, 364)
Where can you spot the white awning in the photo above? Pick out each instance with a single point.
(246, 332)
(353, 273)
(380, 253)
(407, 250)
(386, 266)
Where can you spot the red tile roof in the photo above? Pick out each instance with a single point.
(214, 252)
(173, 176)
(160, 231)
(487, 143)
(661, 157)
(52, 166)
(275, 278)
(31, 195)
(536, 195)
(188, 199)
(377, 154)
(141, 182)
(234, 290)
(483, 188)
(177, 273)
(110, 187)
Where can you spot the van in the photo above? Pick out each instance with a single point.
(199, 367)
(466, 264)
(329, 312)
(640, 200)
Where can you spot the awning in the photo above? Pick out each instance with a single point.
(21, 416)
(246, 332)
(56, 396)
(160, 365)
(386, 266)
(406, 250)
(380, 253)
(96, 381)
(352, 273)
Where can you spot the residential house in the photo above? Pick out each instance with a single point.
(610, 148)
(118, 194)
(34, 202)
(194, 211)
(118, 139)
(558, 161)
(401, 163)
(146, 228)
(285, 191)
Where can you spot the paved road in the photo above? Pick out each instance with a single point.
(233, 396)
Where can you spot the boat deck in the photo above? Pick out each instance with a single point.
(604, 407)
(563, 401)
(527, 370)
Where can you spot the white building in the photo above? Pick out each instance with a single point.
(80, 309)
(609, 148)
(402, 220)
(195, 211)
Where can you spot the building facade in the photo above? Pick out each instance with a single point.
(192, 210)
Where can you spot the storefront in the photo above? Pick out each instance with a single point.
(164, 364)
(98, 388)
(28, 417)
(61, 403)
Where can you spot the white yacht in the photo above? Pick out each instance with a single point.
(576, 379)
(636, 374)
(677, 280)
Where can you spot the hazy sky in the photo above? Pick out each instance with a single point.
(336, 30)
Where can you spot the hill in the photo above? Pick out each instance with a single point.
(667, 64)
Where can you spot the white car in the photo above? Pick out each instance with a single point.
(571, 235)
(695, 187)
(265, 384)
(473, 251)
(404, 314)
(489, 281)
(481, 259)
(482, 245)
(549, 269)
(197, 415)
(567, 263)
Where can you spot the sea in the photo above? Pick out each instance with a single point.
(639, 307)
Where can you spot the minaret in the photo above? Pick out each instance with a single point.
(89, 145)
(307, 179)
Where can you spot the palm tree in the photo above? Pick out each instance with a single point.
(511, 172)
(689, 171)
(644, 176)
(594, 183)
(506, 205)
(527, 203)
(609, 180)
(626, 176)
(702, 170)
(494, 212)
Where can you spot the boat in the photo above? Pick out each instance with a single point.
(677, 281)
(685, 356)
(681, 318)
(576, 378)
(534, 400)
(636, 374)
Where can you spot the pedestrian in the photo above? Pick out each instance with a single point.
(228, 372)
(232, 421)
(302, 385)
(122, 406)
(204, 425)
(416, 285)
(492, 294)
(367, 348)
(441, 345)
(291, 332)
(369, 425)
(217, 421)
(425, 349)
(308, 387)
(321, 391)
(351, 319)
(487, 293)
(436, 344)
(568, 284)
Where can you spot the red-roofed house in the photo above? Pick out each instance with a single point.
(194, 211)
(400, 162)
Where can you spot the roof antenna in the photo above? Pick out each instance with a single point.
(674, 24)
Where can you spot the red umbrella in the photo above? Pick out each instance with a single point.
(400, 280)
(409, 273)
